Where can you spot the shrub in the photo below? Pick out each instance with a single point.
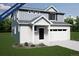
(26, 44)
(41, 44)
(32, 45)
(16, 44)
(20, 45)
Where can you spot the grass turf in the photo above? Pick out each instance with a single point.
(6, 42)
(75, 36)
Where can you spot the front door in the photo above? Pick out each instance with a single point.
(41, 33)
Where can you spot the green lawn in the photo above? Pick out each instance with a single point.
(6, 42)
(75, 36)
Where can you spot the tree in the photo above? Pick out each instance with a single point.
(1, 26)
(5, 25)
(74, 27)
(77, 23)
(69, 20)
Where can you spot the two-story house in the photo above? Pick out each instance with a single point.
(39, 26)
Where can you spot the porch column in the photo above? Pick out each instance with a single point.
(49, 32)
(32, 33)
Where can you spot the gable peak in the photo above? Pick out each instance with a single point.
(51, 8)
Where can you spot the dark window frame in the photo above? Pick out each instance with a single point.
(52, 16)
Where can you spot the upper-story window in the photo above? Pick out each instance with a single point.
(52, 16)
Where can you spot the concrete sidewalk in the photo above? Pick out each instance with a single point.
(74, 45)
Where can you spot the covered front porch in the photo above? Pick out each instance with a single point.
(40, 34)
(41, 30)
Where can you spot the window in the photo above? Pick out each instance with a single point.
(59, 29)
(54, 29)
(35, 28)
(51, 16)
(64, 29)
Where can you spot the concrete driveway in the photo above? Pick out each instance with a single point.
(74, 45)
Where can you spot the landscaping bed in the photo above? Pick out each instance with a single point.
(28, 45)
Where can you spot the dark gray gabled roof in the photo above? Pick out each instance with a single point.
(29, 7)
(27, 21)
(26, 8)
(41, 11)
(53, 23)
(35, 6)
(32, 21)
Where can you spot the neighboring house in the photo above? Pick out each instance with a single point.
(39, 26)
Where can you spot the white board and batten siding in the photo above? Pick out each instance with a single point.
(25, 34)
(60, 35)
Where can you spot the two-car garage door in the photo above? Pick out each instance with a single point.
(59, 33)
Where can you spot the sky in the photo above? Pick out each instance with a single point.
(68, 8)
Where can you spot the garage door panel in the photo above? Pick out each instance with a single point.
(60, 35)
